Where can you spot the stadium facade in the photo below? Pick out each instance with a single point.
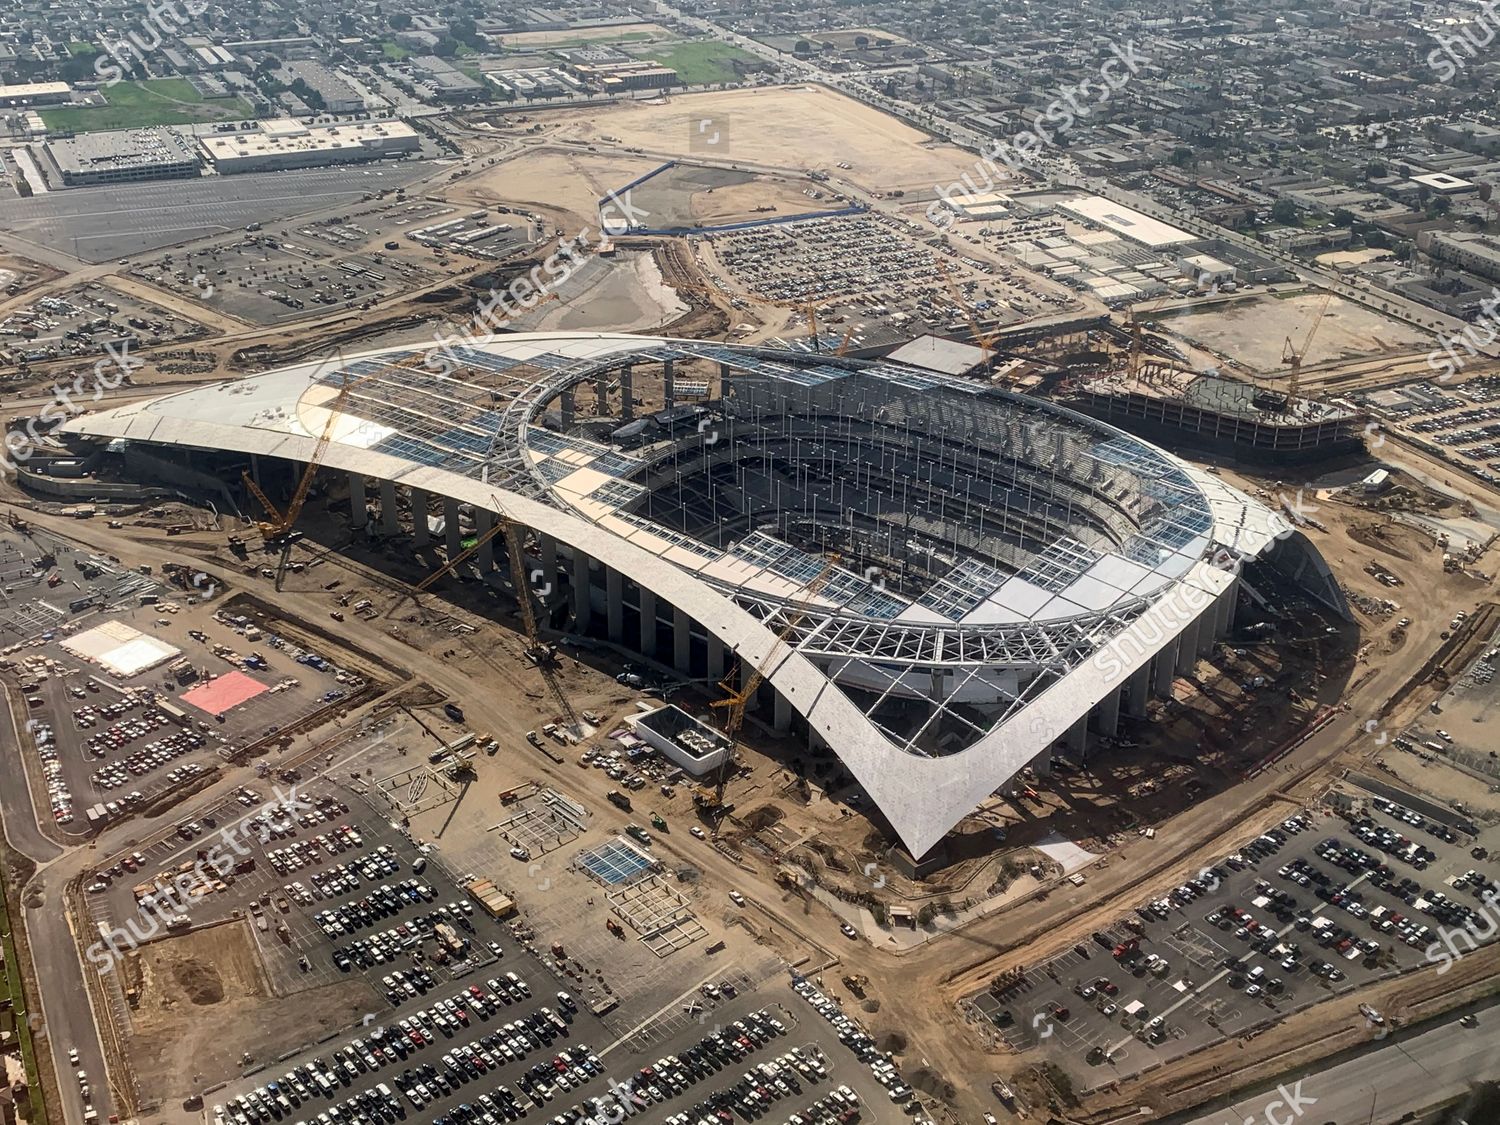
(943, 581)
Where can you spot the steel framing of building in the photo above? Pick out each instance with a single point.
(1009, 573)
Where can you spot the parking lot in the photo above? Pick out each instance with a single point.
(115, 736)
(1322, 904)
(509, 1046)
(102, 224)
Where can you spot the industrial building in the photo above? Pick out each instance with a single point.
(611, 77)
(534, 82)
(35, 93)
(287, 143)
(124, 156)
(337, 95)
(938, 581)
(442, 81)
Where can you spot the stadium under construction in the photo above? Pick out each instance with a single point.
(940, 580)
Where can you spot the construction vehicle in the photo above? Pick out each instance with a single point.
(618, 799)
(658, 823)
(737, 699)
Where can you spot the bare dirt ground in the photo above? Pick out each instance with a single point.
(527, 40)
(555, 181)
(1253, 333)
(783, 127)
(203, 1002)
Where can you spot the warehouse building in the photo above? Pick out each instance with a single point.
(285, 143)
(444, 82)
(35, 93)
(338, 96)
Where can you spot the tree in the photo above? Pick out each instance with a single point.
(400, 21)
(1343, 217)
(1284, 211)
(1182, 157)
(802, 47)
(1375, 170)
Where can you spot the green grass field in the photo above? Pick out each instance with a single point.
(132, 105)
(78, 48)
(393, 51)
(698, 64)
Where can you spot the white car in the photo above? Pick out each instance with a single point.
(519, 852)
(737, 898)
(697, 833)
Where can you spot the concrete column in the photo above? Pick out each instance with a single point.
(1077, 736)
(614, 603)
(627, 394)
(451, 533)
(601, 394)
(390, 523)
(648, 623)
(1208, 630)
(485, 520)
(682, 641)
(583, 609)
(1187, 649)
(1228, 601)
(565, 406)
(716, 653)
(1107, 714)
(1042, 763)
(781, 715)
(1166, 669)
(549, 567)
(668, 390)
(255, 470)
(359, 515)
(1137, 693)
(421, 534)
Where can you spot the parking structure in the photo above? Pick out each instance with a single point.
(1316, 906)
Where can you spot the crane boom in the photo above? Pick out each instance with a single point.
(735, 702)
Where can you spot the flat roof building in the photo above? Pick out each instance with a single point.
(1477, 253)
(444, 81)
(126, 156)
(338, 96)
(285, 143)
(35, 93)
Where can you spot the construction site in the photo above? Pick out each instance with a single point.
(854, 566)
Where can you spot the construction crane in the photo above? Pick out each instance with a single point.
(1293, 356)
(276, 532)
(737, 698)
(983, 339)
(543, 655)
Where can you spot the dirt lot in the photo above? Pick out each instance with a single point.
(555, 181)
(784, 127)
(212, 979)
(523, 40)
(1254, 332)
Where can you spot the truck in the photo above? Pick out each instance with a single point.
(638, 833)
(618, 799)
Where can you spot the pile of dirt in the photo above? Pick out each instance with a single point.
(891, 1043)
(932, 1084)
(200, 982)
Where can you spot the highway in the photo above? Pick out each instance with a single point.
(1383, 1085)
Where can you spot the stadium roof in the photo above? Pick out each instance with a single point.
(1055, 633)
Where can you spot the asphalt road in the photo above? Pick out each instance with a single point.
(1382, 1085)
